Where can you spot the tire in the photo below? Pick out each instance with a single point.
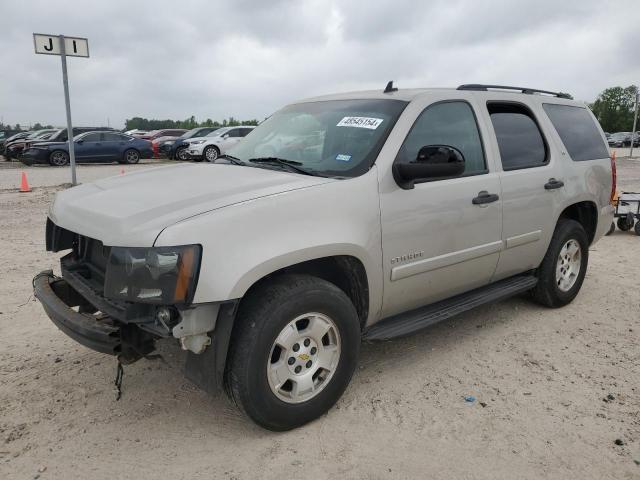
(636, 228)
(210, 153)
(556, 287)
(58, 158)
(624, 225)
(181, 154)
(131, 156)
(612, 229)
(264, 317)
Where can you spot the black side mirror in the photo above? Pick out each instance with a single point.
(432, 162)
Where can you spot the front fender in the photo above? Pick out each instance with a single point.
(244, 242)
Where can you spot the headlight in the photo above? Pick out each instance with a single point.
(169, 142)
(162, 275)
(197, 142)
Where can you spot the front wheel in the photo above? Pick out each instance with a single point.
(131, 156)
(59, 158)
(294, 349)
(181, 154)
(564, 266)
(210, 154)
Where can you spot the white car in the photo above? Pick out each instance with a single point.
(217, 143)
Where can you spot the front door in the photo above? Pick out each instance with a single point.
(90, 148)
(438, 241)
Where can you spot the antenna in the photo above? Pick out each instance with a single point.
(390, 88)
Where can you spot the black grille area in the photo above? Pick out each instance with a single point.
(92, 255)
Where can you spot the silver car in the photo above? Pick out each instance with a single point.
(217, 143)
(367, 215)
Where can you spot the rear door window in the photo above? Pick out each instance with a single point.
(519, 138)
(578, 131)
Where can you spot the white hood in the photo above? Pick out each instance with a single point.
(132, 209)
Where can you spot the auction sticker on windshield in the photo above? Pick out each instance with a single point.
(360, 122)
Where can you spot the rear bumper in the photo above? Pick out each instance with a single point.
(57, 298)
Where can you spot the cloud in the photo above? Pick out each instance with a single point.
(247, 58)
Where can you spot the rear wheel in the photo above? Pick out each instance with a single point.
(564, 266)
(295, 347)
(59, 158)
(637, 228)
(210, 154)
(131, 156)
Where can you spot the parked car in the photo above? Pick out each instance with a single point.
(177, 149)
(217, 143)
(61, 135)
(136, 132)
(623, 139)
(14, 148)
(15, 136)
(90, 147)
(167, 132)
(413, 207)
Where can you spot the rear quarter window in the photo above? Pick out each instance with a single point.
(578, 131)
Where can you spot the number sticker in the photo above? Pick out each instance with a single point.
(360, 122)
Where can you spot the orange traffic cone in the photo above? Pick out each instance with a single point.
(24, 185)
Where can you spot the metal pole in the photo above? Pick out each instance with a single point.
(633, 131)
(65, 82)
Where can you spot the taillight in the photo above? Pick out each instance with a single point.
(614, 179)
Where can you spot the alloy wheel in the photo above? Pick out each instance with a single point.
(568, 265)
(303, 358)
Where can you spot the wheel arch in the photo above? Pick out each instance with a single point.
(585, 213)
(347, 272)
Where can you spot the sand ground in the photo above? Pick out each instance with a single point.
(541, 378)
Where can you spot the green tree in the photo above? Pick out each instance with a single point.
(37, 126)
(614, 108)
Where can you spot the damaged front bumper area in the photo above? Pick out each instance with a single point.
(77, 305)
(58, 298)
(90, 320)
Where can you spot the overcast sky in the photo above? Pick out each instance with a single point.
(247, 58)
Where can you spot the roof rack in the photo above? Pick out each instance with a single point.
(528, 91)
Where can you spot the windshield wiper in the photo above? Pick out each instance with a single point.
(292, 165)
(232, 159)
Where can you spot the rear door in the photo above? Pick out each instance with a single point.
(436, 241)
(532, 182)
(114, 145)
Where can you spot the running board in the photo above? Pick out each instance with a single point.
(420, 318)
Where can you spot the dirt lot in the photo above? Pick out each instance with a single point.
(541, 378)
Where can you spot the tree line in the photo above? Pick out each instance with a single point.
(153, 124)
(614, 108)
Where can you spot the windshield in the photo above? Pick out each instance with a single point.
(338, 138)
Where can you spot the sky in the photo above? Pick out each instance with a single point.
(247, 58)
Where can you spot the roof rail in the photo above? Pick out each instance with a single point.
(528, 91)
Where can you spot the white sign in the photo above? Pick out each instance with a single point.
(360, 122)
(50, 45)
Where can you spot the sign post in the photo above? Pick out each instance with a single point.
(64, 46)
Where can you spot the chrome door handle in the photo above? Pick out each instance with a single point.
(485, 197)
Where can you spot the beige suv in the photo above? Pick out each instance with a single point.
(366, 215)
